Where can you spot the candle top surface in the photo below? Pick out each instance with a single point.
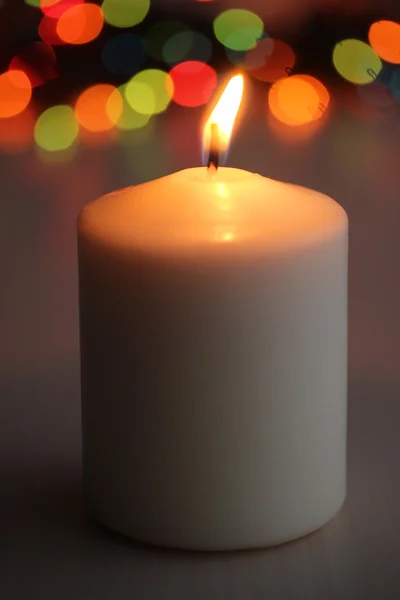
(193, 211)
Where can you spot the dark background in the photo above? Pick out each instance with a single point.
(49, 547)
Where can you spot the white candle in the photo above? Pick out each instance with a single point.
(214, 352)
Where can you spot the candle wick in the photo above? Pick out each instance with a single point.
(213, 156)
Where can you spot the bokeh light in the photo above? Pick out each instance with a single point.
(150, 91)
(194, 82)
(15, 93)
(238, 29)
(99, 107)
(56, 129)
(37, 61)
(384, 37)
(356, 61)
(159, 34)
(129, 119)
(80, 24)
(55, 8)
(124, 54)
(270, 60)
(187, 45)
(298, 100)
(48, 31)
(125, 13)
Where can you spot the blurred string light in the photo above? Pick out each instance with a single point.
(125, 13)
(193, 83)
(56, 129)
(124, 54)
(270, 60)
(80, 24)
(129, 119)
(150, 91)
(187, 45)
(298, 100)
(238, 29)
(159, 35)
(56, 8)
(384, 37)
(99, 107)
(356, 61)
(37, 61)
(15, 93)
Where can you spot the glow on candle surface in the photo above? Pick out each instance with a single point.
(214, 344)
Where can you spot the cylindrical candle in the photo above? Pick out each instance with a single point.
(214, 359)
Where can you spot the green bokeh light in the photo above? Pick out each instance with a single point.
(356, 61)
(56, 129)
(125, 13)
(238, 29)
(159, 35)
(187, 45)
(149, 92)
(130, 119)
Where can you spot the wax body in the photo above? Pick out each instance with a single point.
(214, 370)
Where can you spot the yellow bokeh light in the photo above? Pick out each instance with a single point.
(149, 92)
(56, 129)
(125, 13)
(356, 61)
(129, 119)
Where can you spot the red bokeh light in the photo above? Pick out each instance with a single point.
(270, 60)
(37, 61)
(55, 8)
(194, 83)
(48, 32)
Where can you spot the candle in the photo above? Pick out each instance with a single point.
(213, 306)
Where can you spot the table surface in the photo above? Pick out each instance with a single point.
(50, 548)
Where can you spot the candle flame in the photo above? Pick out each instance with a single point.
(223, 118)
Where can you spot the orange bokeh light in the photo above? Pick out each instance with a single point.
(15, 93)
(80, 24)
(298, 100)
(99, 107)
(270, 60)
(384, 37)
